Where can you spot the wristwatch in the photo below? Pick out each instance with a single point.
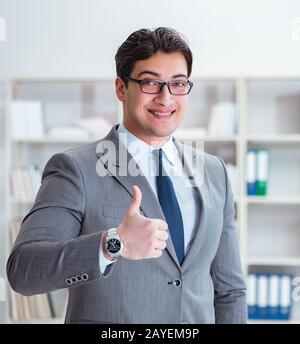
(113, 245)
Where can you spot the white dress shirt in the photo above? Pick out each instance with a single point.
(188, 198)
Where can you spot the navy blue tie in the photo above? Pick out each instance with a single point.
(170, 207)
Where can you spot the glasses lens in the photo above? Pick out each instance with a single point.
(179, 87)
(150, 86)
(176, 87)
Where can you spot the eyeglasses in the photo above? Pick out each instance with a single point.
(178, 88)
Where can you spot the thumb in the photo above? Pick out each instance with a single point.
(136, 202)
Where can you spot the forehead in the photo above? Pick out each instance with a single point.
(163, 64)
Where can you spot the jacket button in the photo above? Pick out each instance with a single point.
(177, 282)
(78, 278)
(68, 281)
(74, 280)
(85, 277)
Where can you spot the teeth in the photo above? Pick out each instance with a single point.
(161, 113)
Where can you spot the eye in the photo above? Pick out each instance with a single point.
(179, 84)
(150, 82)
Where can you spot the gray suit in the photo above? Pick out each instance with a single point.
(59, 241)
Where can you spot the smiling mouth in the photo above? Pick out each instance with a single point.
(158, 114)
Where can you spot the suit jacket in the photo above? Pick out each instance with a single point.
(60, 238)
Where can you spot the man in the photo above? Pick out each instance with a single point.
(123, 223)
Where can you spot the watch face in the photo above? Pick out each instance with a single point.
(113, 245)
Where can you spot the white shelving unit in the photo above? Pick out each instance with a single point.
(63, 101)
(268, 116)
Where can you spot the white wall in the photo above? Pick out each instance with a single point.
(80, 37)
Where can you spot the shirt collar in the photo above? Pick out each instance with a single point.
(136, 146)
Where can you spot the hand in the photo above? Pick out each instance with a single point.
(143, 238)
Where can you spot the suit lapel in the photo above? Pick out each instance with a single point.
(198, 178)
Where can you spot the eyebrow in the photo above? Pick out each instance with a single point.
(158, 75)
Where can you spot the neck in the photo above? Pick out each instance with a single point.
(153, 141)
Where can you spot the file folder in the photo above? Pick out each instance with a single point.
(262, 172)
(274, 288)
(251, 172)
(262, 297)
(285, 297)
(252, 296)
(269, 296)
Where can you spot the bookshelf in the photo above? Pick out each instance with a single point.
(266, 116)
(64, 105)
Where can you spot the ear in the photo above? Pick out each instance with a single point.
(120, 89)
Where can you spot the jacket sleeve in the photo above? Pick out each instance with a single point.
(49, 252)
(226, 271)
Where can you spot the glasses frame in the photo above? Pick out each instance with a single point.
(162, 84)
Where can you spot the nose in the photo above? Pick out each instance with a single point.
(164, 97)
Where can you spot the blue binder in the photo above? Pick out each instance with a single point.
(285, 301)
(269, 296)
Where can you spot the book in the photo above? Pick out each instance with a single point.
(25, 182)
(26, 120)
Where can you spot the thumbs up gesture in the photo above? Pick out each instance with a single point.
(142, 237)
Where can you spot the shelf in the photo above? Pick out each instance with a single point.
(232, 139)
(199, 134)
(273, 200)
(49, 140)
(22, 201)
(274, 139)
(272, 261)
(179, 136)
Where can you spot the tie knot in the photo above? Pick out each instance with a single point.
(160, 155)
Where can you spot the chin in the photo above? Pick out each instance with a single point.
(164, 133)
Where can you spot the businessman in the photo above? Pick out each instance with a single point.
(133, 225)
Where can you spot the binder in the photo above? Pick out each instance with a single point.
(274, 288)
(269, 296)
(262, 297)
(251, 172)
(252, 296)
(262, 172)
(285, 297)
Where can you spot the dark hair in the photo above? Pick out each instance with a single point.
(144, 43)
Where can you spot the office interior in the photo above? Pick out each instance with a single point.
(57, 91)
